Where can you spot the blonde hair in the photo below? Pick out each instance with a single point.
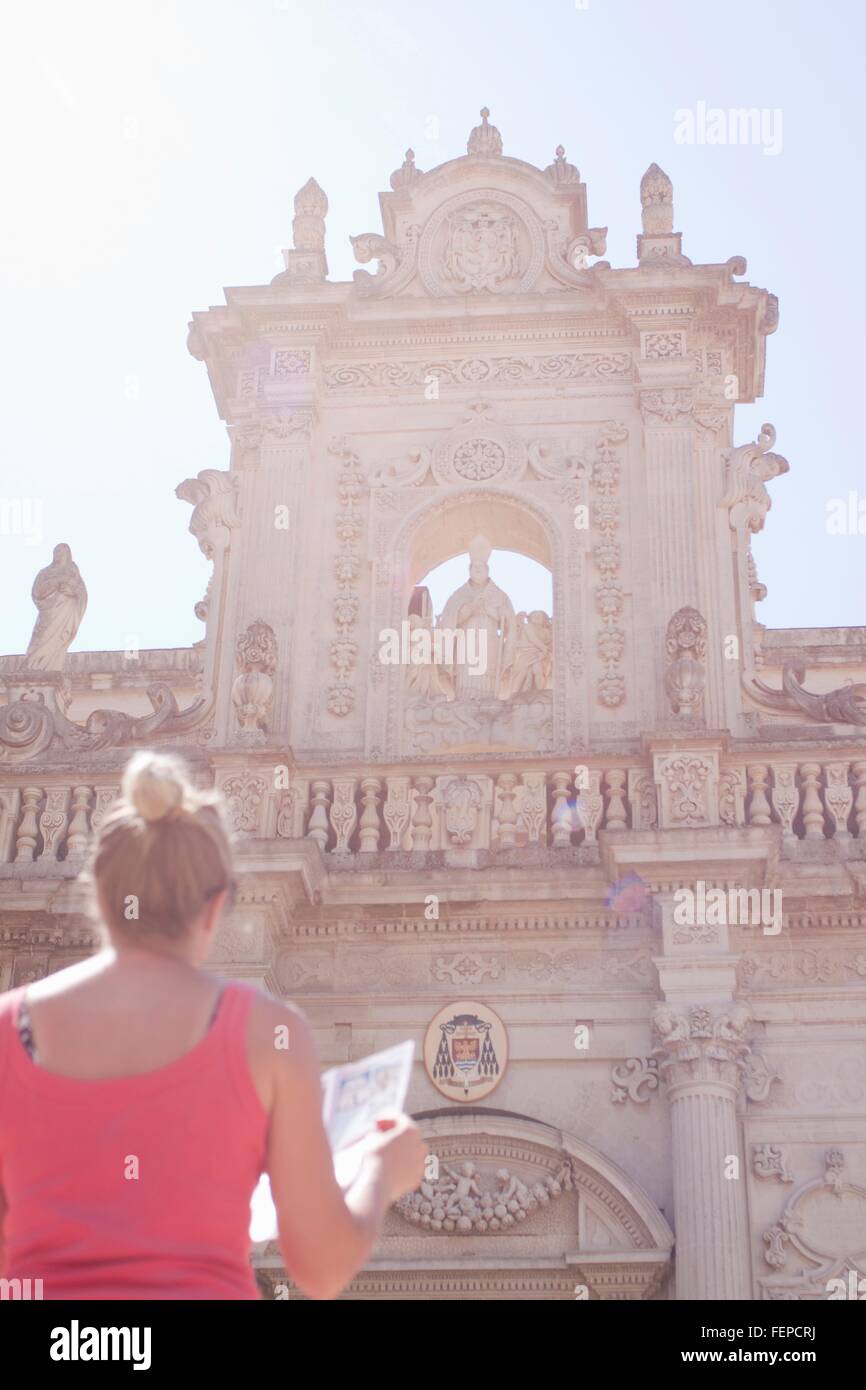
(163, 847)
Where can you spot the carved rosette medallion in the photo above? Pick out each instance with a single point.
(477, 460)
(481, 243)
(480, 450)
(466, 1051)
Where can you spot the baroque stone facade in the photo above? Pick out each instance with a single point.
(571, 848)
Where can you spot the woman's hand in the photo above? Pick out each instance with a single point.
(396, 1142)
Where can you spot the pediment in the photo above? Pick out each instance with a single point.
(484, 224)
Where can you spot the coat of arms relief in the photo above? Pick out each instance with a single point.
(482, 250)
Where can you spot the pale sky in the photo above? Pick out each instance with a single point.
(152, 153)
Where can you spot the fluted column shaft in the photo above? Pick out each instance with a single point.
(709, 1208)
(702, 1059)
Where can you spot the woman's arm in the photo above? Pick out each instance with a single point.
(325, 1235)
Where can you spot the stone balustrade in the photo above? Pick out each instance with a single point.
(554, 806)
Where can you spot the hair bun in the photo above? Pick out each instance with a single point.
(155, 784)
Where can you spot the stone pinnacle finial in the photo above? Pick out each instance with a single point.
(306, 261)
(657, 202)
(560, 171)
(484, 139)
(308, 227)
(407, 173)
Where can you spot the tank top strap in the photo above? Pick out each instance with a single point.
(236, 1002)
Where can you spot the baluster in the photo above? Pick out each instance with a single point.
(859, 770)
(838, 797)
(371, 788)
(760, 812)
(813, 811)
(422, 821)
(397, 808)
(344, 813)
(28, 830)
(318, 827)
(786, 797)
(616, 813)
(561, 819)
(53, 821)
(507, 810)
(76, 840)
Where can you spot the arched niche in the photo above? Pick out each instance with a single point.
(449, 531)
(438, 528)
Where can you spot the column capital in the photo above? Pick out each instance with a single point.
(702, 1049)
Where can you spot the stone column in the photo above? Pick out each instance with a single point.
(702, 1055)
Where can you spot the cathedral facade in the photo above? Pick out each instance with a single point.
(605, 865)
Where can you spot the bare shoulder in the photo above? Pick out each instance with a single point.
(278, 1028)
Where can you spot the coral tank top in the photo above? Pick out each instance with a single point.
(134, 1187)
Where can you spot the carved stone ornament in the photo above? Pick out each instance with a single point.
(479, 450)
(492, 244)
(484, 139)
(351, 487)
(634, 1079)
(846, 705)
(406, 175)
(253, 688)
(657, 202)
(214, 496)
(701, 1044)
(686, 648)
(770, 1161)
(465, 1198)
(748, 468)
(820, 1235)
(688, 788)
(370, 246)
(466, 1051)
(305, 263)
(462, 801)
(34, 724)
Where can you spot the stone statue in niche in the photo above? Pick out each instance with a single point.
(484, 614)
(61, 598)
(533, 659)
(487, 680)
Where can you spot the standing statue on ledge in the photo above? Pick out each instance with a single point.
(484, 612)
(533, 659)
(59, 594)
